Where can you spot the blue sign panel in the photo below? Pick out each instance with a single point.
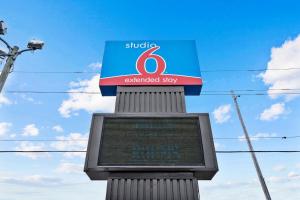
(150, 62)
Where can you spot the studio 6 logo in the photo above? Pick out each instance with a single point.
(144, 77)
(149, 54)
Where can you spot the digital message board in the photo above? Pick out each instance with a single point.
(151, 141)
(150, 62)
(144, 142)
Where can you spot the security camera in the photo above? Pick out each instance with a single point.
(35, 44)
(3, 28)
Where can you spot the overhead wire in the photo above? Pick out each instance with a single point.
(209, 93)
(256, 92)
(82, 151)
(216, 138)
(202, 71)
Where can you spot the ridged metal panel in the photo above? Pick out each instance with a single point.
(152, 189)
(150, 99)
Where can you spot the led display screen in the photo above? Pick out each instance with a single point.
(151, 141)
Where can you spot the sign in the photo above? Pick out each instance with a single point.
(144, 142)
(150, 62)
(151, 141)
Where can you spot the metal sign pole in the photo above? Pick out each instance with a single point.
(145, 185)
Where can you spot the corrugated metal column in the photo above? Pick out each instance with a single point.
(124, 186)
(152, 189)
(150, 99)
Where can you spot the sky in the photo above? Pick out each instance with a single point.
(230, 35)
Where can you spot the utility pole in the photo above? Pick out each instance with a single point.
(258, 171)
(13, 53)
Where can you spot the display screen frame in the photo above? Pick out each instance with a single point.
(190, 160)
(101, 172)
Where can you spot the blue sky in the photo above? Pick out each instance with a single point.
(230, 35)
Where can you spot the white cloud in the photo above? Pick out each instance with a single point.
(29, 146)
(96, 66)
(72, 142)
(30, 99)
(293, 175)
(4, 128)
(285, 56)
(219, 146)
(33, 180)
(87, 102)
(222, 113)
(27, 98)
(279, 168)
(30, 130)
(69, 168)
(276, 179)
(257, 136)
(4, 100)
(273, 112)
(58, 128)
(248, 189)
(231, 184)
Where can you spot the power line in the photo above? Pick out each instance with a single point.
(251, 70)
(220, 91)
(46, 151)
(97, 93)
(49, 92)
(81, 151)
(275, 151)
(202, 71)
(258, 137)
(254, 90)
(78, 140)
(55, 72)
(41, 140)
